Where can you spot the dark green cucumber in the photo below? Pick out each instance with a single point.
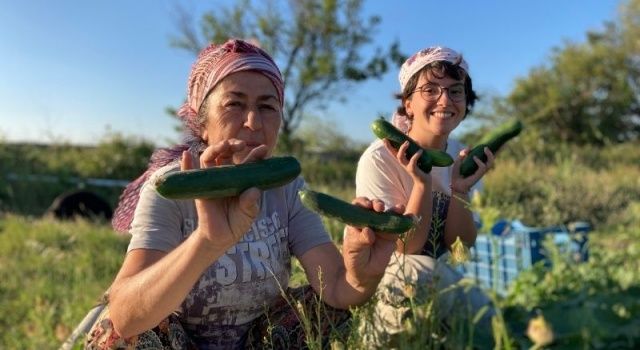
(430, 157)
(228, 180)
(354, 215)
(494, 140)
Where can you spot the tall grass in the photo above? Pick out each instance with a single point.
(51, 274)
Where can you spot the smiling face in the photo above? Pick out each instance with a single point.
(244, 106)
(434, 120)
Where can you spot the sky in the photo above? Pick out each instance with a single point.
(78, 71)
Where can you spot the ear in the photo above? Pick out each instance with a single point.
(205, 135)
(407, 107)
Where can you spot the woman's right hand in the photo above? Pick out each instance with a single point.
(223, 221)
(410, 165)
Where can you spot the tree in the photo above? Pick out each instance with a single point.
(318, 44)
(588, 93)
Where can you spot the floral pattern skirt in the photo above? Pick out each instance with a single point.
(291, 323)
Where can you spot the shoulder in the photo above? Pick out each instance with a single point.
(169, 168)
(376, 153)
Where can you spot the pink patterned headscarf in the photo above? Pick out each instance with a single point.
(414, 64)
(213, 64)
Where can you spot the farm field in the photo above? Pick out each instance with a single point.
(53, 272)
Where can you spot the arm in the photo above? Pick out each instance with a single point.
(350, 279)
(151, 284)
(460, 220)
(459, 217)
(420, 202)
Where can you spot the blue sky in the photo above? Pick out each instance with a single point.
(75, 71)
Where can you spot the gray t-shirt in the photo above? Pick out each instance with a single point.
(236, 288)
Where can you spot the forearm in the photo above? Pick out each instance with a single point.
(343, 287)
(420, 205)
(460, 220)
(349, 290)
(140, 301)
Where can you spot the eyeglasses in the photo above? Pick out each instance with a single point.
(432, 92)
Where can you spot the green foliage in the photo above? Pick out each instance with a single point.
(32, 175)
(549, 194)
(591, 305)
(328, 156)
(114, 157)
(318, 45)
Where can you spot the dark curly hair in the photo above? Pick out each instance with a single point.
(440, 69)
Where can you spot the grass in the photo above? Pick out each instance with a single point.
(53, 272)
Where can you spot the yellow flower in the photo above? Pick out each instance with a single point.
(409, 290)
(337, 345)
(539, 331)
(459, 252)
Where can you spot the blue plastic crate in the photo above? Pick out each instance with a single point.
(498, 258)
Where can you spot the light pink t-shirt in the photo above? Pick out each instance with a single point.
(235, 289)
(381, 176)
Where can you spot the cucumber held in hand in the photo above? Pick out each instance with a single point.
(354, 215)
(430, 157)
(228, 180)
(494, 140)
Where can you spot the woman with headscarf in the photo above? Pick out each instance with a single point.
(206, 273)
(436, 95)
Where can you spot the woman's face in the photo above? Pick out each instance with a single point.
(439, 117)
(243, 106)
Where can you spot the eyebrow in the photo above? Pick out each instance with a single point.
(433, 83)
(260, 98)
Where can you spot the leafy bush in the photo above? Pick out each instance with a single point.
(545, 194)
(33, 175)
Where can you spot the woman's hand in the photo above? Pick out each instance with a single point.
(410, 165)
(366, 253)
(460, 184)
(224, 221)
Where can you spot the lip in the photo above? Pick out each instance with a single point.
(437, 114)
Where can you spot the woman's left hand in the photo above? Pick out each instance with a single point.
(366, 252)
(461, 184)
(409, 164)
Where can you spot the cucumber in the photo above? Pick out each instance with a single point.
(430, 157)
(494, 140)
(228, 180)
(354, 215)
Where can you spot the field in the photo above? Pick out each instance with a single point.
(52, 272)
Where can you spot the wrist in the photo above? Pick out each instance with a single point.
(424, 181)
(421, 187)
(459, 191)
(360, 283)
(210, 246)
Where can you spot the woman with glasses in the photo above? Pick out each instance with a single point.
(436, 95)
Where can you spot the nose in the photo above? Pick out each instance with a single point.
(254, 119)
(444, 98)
